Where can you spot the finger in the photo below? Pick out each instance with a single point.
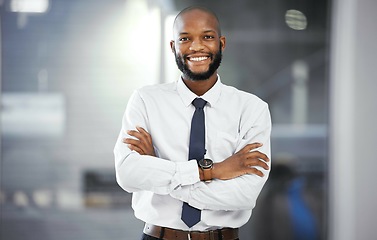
(250, 147)
(142, 130)
(262, 165)
(255, 172)
(258, 163)
(137, 135)
(141, 135)
(144, 133)
(136, 149)
(137, 144)
(132, 141)
(257, 154)
(133, 133)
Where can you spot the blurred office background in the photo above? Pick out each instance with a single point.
(69, 67)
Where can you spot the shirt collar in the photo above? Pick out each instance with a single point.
(211, 96)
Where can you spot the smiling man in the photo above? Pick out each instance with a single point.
(203, 55)
(195, 152)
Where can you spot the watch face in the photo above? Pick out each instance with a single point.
(205, 163)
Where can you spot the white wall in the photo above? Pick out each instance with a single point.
(353, 118)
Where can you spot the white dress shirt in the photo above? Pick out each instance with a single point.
(159, 184)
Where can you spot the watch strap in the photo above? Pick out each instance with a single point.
(207, 174)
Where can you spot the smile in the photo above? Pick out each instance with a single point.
(197, 59)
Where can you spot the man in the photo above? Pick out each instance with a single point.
(195, 171)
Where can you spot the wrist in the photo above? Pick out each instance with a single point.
(201, 176)
(215, 171)
(205, 172)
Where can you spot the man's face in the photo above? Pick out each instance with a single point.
(197, 45)
(197, 76)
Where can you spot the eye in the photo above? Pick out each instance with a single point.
(183, 39)
(209, 37)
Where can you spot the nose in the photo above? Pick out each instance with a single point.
(196, 46)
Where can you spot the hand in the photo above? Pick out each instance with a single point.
(143, 142)
(241, 163)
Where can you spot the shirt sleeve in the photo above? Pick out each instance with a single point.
(135, 172)
(239, 193)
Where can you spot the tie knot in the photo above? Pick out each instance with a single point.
(199, 102)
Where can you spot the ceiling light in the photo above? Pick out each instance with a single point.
(296, 19)
(29, 6)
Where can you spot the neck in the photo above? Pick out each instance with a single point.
(200, 87)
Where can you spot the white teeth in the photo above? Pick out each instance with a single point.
(197, 59)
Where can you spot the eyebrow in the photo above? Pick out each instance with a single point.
(206, 31)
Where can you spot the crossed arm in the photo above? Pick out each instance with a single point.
(245, 161)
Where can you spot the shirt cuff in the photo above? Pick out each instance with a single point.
(186, 173)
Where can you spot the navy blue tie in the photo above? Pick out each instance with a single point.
(190, 215)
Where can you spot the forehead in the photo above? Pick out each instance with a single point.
(195, 21)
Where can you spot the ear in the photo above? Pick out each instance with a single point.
(223, 42)
(172, 46)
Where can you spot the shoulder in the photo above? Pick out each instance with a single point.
(242, 97)
(158, 87)
(156, 90)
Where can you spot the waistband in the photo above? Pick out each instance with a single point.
(174, 234)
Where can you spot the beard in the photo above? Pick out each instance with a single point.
(215, 64)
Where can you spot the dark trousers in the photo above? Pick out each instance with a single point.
(147, 237)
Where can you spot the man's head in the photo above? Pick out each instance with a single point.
(197, 43)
